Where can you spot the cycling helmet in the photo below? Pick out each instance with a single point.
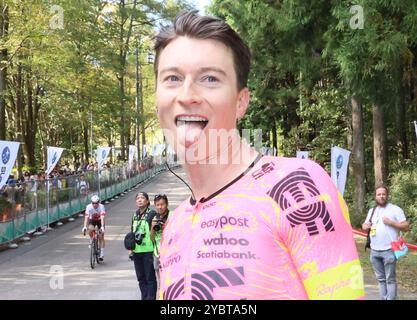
(95, 199)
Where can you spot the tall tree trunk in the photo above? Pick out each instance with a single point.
(358, 159)
(43, 145)
(137, 110)
(380, 146)
(401, 126)
(31, 125)
(110, 144)
(142, 113)
(129, 138)
(122, 117)
(4, 26)
(36, 116)
(19, 114)
(85, 142)
(124, 38)
(274, 135)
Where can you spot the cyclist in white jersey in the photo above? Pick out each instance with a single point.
(94, 215)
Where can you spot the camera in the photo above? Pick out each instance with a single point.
(139, 237)
(158, 225)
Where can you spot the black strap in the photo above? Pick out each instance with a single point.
(368, 238)
(140, 220)
(372, 214)
(165, 220)
(370, 220)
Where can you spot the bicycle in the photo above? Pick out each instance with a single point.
(95, 248)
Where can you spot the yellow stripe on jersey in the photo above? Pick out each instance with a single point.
(344, 207)
(340, 283)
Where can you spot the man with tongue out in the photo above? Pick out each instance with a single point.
(255, 227)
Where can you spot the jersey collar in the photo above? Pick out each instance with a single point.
(204, 199)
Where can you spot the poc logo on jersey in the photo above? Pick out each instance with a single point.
(172, 259)
(225, 221)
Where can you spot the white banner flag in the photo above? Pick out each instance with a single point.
(155, 150)
(144, 151)
(302, 154)
(161, 149)
(54, 154)
(415, 126)
(102, 154)
(133, 151)
(8, 152)
(340, 162)
(170, 150)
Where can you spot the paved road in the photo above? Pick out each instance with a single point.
(33, 270)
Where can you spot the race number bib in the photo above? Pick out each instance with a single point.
(373, 232)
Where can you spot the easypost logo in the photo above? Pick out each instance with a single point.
(103, 154)
(5, 155)
(339, 162)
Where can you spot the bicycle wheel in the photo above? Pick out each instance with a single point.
(93, 253)
(97, 251)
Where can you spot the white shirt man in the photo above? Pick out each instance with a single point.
(387, 221)
(382, 234)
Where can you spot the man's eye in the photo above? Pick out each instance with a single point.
(172, 78)
(210, 79)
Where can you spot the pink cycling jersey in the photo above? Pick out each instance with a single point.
(279, 231)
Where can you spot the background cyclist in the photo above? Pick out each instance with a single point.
(94, 215)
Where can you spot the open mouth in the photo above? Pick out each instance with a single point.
(190, 128)
(193, 121)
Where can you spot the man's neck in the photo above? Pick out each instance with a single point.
(206, 179)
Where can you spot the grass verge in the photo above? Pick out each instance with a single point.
(406, 266)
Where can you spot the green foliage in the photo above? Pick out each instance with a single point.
(404, 194)
(308, 62)
(80, 67)
(329, 106)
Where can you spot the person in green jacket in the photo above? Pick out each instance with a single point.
(142, 255)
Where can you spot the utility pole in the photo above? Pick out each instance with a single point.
(91, 133)
(138, 101)
(142, 117)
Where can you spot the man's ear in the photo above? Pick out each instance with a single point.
(242, 103)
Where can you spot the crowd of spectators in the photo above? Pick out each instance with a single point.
(27, 192)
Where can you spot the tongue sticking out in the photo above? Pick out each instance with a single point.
(189, 131)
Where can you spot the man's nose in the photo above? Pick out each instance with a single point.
(189, 94)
